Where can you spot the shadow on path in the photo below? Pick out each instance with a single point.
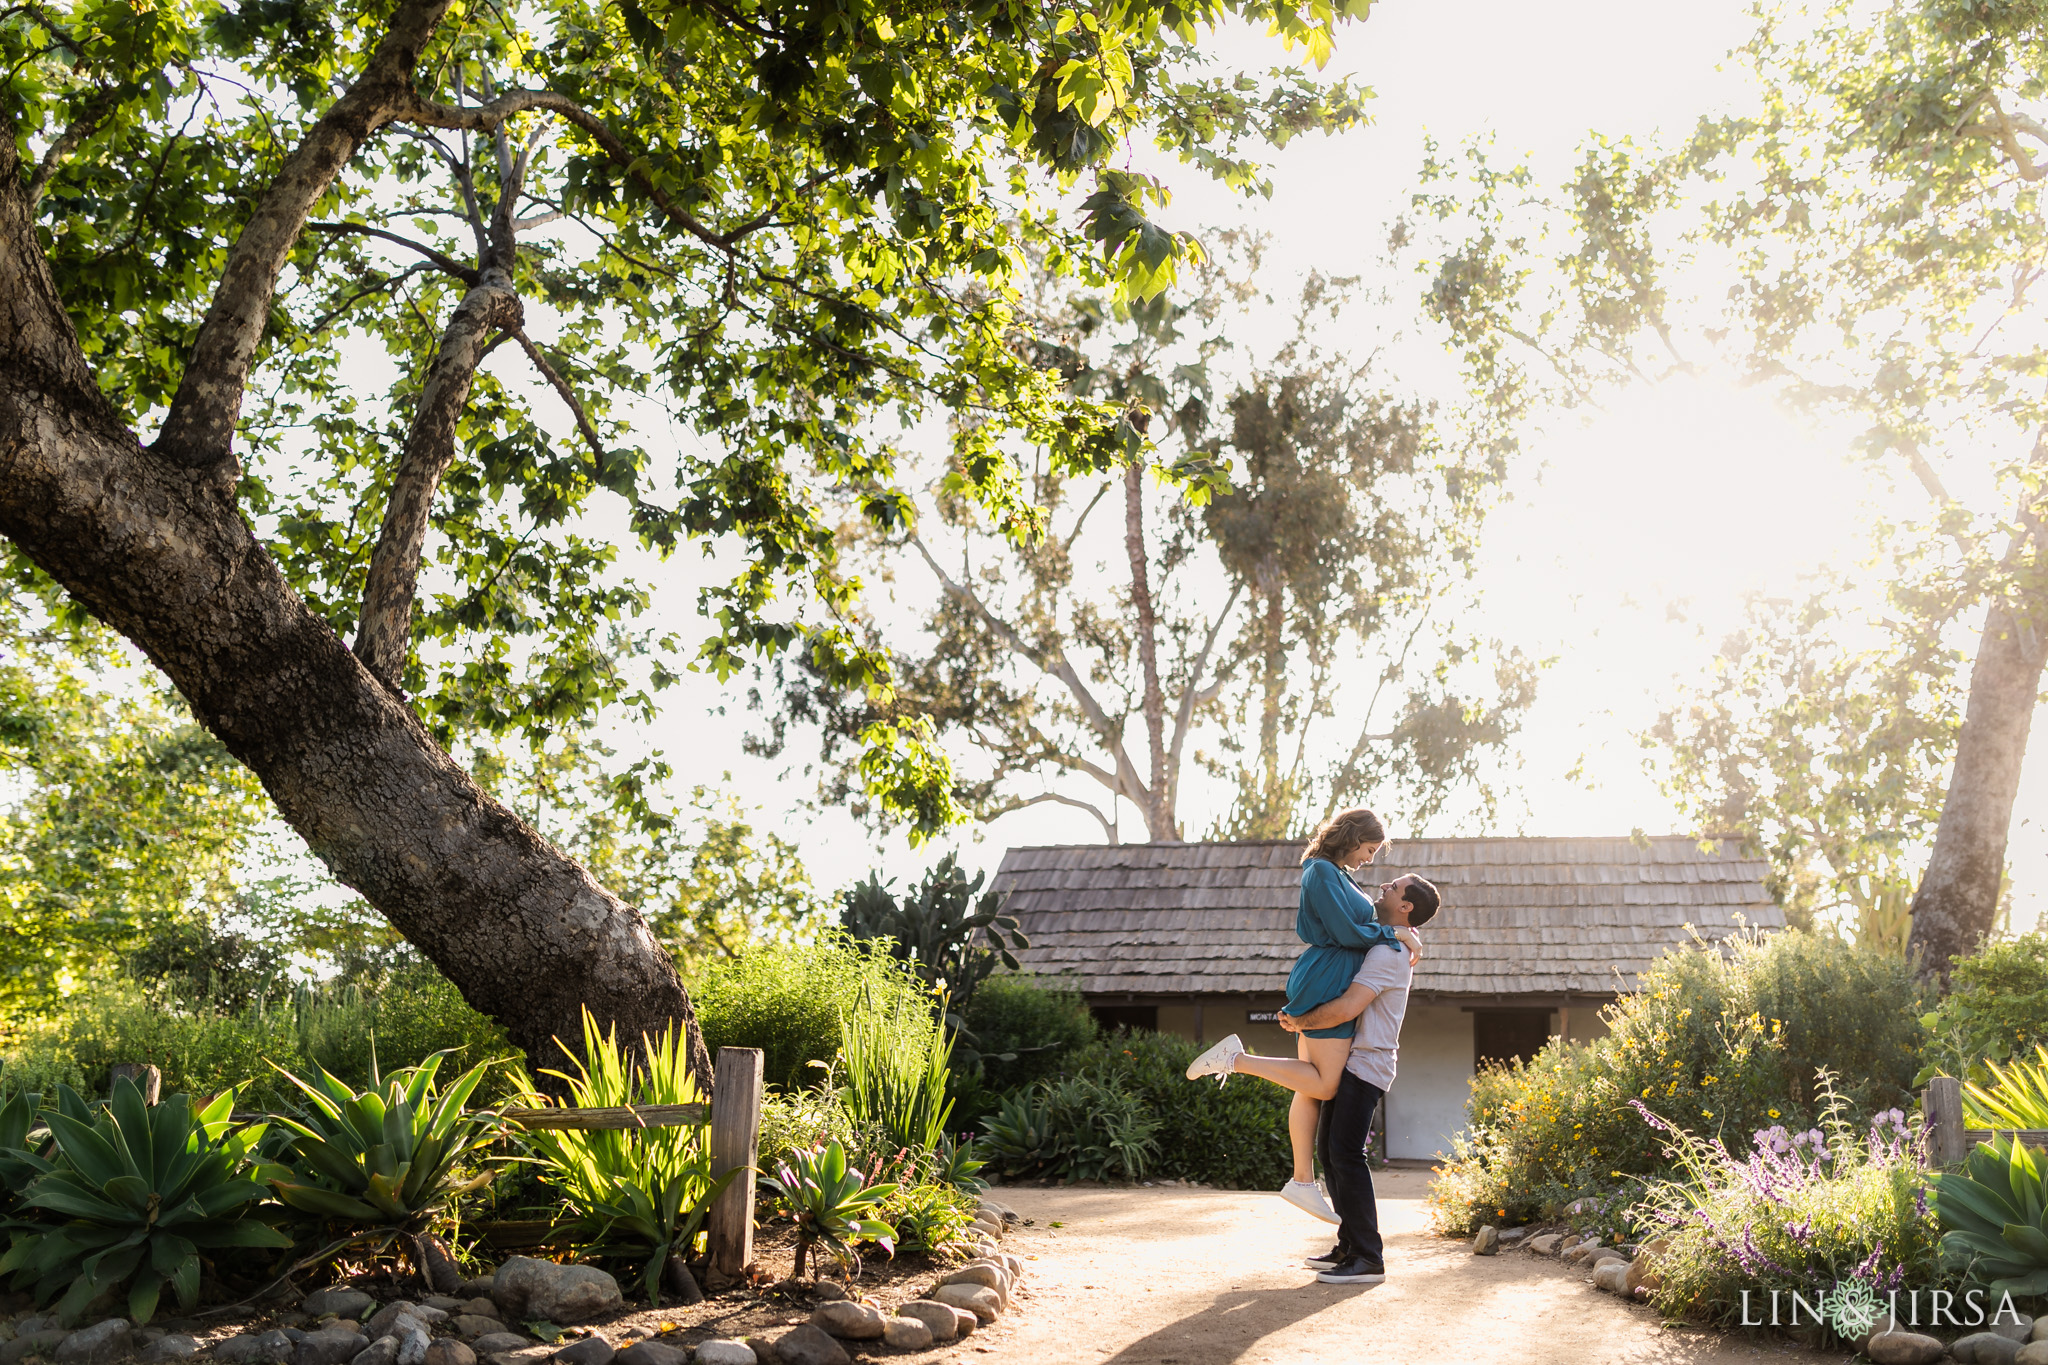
(1233, 1324)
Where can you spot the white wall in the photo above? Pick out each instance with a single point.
(1426, 1107)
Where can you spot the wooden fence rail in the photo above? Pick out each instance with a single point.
(1948, 1140)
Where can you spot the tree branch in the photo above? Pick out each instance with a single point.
(199, 430)
(549, 373)
(1056, 666)
(1190, 697)
(1108, 827)
(468, 275)
(82, 127)
(384, 635)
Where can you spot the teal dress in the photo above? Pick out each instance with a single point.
(1336, 922)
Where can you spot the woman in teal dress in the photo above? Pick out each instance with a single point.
(1336, 921)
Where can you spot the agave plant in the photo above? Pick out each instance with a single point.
(19, 1164)
(390, 1156)
(2018, 1097)
(638, 1192)
(143, 1191)
(1993, 1210)
(831, 1203)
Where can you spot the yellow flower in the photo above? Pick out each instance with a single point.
(1708, 1081)
(1774, 1113)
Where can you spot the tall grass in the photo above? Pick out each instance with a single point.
(640, 1192)
(202, 1051)
(897, 1057)
(788, 1000)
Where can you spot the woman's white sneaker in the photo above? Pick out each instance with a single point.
(1307, 1196)
(1217, 1061)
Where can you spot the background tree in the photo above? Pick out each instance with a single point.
(125, 821)
(1083, 669)
(1829, 759)
(773, 219)
(1871, 234)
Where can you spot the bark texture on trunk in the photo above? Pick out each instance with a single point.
(153, 543)
(1957, 902)
(1159, 816)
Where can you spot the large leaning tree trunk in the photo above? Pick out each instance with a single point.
(151, 540)
(1957, 902)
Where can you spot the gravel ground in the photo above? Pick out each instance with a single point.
(1174, 1276)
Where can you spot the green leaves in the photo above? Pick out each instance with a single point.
(2017, 1097)
(831, 1203)
(639, 1192)
(143, 1191)
(390, 1158)
(1992, 1212)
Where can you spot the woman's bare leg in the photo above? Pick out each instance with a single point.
(1313, 1077)
(1302, 1117)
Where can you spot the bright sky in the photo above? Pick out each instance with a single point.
(1628, 552)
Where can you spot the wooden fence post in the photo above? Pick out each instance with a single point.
(146, 1077)
(1942, 1110)
(735, 1134)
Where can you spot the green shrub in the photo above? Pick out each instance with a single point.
(1996, 1009)
(203, 1051)
(1723, 1042)
(1037, 1021)
(1081, 1127)
(1838, 1210)
(801, 1121)
(1232, 1136)
(788, 1000)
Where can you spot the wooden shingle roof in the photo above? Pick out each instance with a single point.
(1519, 915)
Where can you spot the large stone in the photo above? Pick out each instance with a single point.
(985, 1273)
(256, 1348)
(340, 1301)
(448, 1351)
(443, 1302)
(1610, 1275)
(977, 1299)
(808, 1345)
(40, 1342)
(1546, 1245)
(168, 1347)
(940, 1319)
(1903, 1348)
(413, 1342)
(2020, 1328)
(906, 1334)
(1640, 1278)
(102, 1341)
(490, 1343)
(525, 1355)
(656, 1353)
(2033, 1353)
(848, 1320)
(525, 1288)
(470, 1326)
(825, 1291)
(382, 1351)
(330, 1346)
(385, 1322)
(1583, 1252)
(725, 1351)
(1984, 1348)
(480, 1307)
(1486, 1241)
(588, 1351)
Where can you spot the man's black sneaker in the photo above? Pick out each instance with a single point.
(1357, 1270)
(1329, 1260)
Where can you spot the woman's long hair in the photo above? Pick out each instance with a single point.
(1338, 836)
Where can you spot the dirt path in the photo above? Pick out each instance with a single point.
(1205, 1277)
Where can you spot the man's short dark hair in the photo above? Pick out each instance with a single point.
(1422, 900)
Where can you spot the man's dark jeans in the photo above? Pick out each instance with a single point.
(1341, 1139)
